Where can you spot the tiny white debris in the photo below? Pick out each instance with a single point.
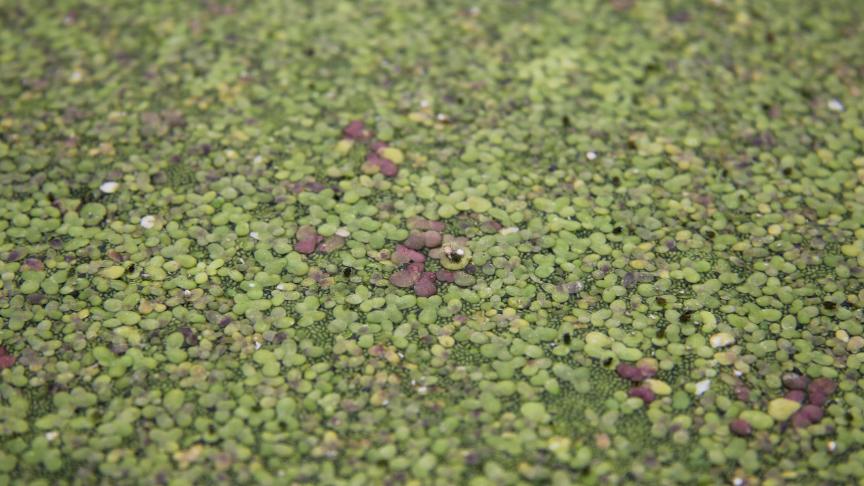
(424, 103)
(474, 11)
(702, 386)
(280, 287)
(257, 345)
(721, 340)
(76, 76)
(509, 231)
(738, 373)
(400, 354)
(49, 436)
(832, 446)
(572, 288)
(187, 293)
(148, 221)
(343, 232)
(442, 117)
(836, 105)
(738, 481)
(591, 155)
(254, 235)
(258, 159)
(109, 187)
(422, 389)
(385, 402)
(252, 285)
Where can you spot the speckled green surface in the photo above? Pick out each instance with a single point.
(572, 242)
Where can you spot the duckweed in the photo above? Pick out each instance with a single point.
(597, 242)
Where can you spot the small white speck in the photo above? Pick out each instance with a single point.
(49, 436)
(422, 389)
(252, 285)
(413, 382)
(258, 159)
(400, 354)
(280, 287)
(343, 232)
(836, 105)
(474, 11)
(76, 76)
(187, 293)
(737, 373)
(385, 402)
(254, 235)
(109, 187)
(721, 340)
(737, 481)
(424, 103)
(257, 345)
(832, 446)
(591, 155)
(702, 387)
(442, 117)
(510, 230)
(148, 221)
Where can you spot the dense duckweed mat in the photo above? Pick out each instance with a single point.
(408, 242)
